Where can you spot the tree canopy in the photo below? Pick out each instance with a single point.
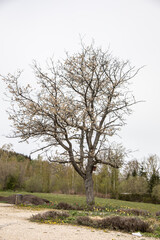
(78, 104)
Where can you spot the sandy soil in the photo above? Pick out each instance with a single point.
(14, 225)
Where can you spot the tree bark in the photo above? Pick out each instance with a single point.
(88, 181)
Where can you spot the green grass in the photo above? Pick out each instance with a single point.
(81, 200)
(153, 208)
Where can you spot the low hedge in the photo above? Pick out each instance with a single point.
(146, 198)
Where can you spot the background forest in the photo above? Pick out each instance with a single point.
(136, 181)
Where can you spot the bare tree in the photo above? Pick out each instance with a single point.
(152, 165)
(132, 168)
(78, 104)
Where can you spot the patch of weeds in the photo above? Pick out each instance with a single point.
(70, 220)
(31, 207)
(109, 208)
(155, 234)
(78, 206)
(116, 223)
(51, 205)
(155, 226)
(50, 217)
(78, 213)
(136, 212)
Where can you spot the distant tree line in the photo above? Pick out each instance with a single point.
(139, 181)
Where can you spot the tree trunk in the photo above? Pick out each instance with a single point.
(88, 181)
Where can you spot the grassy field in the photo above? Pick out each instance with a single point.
(81, 200)
(111, 208)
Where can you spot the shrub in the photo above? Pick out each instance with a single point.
(116, 223)
(50, 215)
(134, 185)
(146, 198)
(156, 192)
(33, 184)
(11, 183)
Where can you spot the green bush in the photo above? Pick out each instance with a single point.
(33, 184)
(134, 185)
(146, 198)
(156, 192)
(11, 183)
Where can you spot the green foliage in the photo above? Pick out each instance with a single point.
(156, 192)
(12, 171)
(115, 183)
(106, 181)
(18, 172)
(6, 154)
(102, 181)
(146, 198)
(33, 184)
(153, 181)
(12, 182)
(134, 185)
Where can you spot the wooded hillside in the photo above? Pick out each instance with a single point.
(139, 181)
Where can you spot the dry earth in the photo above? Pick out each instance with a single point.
(14, 225)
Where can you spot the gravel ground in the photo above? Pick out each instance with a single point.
(14, 225)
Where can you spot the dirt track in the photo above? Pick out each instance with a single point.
(14, 225)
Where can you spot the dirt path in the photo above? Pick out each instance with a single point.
(14, 225)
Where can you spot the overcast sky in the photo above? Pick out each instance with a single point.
(39, 29)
